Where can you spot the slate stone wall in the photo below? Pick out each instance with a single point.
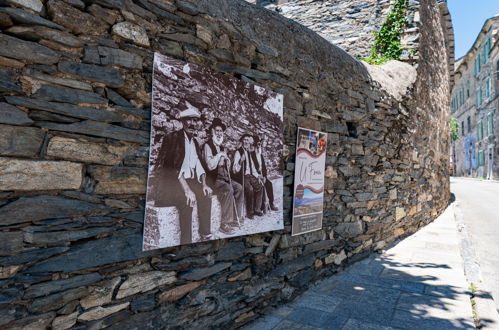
(75, 83)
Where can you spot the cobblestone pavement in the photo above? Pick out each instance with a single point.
(418, 283)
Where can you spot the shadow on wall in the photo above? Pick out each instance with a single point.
(377, 293)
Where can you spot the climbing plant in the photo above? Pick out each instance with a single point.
(387, 44)
(454, 129)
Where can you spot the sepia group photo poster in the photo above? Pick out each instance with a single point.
(308, 196)
(215, 162)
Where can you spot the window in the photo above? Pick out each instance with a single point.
(481, 158)
(487, 88)
(488, 44)
(478, 95)
(491, 123)
(477, 64)
(469, 124)
(486, 126)
(480, 129)
(497, 70)
(468, 87)
(484, 55)
(462, 128)
(478, 136)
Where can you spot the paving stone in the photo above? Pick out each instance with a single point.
(69, 95)
(126, 244)
(20, 141)
(266, 322)
(23, 174)
(132, 32)
(317, 318)
(77, 21)
(27, 209)
(23, 17)
(109, 76)
(40, 32)
(353, 324)
(65, 109)
(145, 282)
(12, 115)
(317, 301)
(291, 325)
(46, 288)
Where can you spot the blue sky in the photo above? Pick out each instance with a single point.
(468, 17)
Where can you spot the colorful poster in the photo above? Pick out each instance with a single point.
(308, 194)
(215, 164)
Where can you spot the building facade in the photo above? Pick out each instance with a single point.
(475, 104)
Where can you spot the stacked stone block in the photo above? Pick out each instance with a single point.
(75, 84)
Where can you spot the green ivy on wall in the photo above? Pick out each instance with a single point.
(454, 129)
(387, 44)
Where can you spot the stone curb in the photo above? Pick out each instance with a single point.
(485, 306)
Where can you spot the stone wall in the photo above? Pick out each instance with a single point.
(75, 83)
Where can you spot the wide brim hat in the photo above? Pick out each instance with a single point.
(190, 112)
(217, 122)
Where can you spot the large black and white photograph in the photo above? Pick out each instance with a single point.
(215, 163)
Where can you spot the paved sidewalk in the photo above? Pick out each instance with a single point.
(418, 283)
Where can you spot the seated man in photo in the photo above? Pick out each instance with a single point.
(263, 170)
(229, 192)
(247, 173)
(180, 177)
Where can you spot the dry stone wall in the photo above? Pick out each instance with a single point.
(75, 83)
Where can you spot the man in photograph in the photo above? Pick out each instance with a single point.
(246, 170)
(180, 177)
(269, 189)
(229, 192)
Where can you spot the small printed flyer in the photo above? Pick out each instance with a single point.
(308, 193)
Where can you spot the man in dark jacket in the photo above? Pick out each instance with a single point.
(180, 177)
(229, 192)
(269, 188)
(245, 169)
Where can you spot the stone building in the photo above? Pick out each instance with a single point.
(75, 97)
(475, 104)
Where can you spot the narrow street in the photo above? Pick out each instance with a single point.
(479, 203)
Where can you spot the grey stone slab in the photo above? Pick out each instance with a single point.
(366, 310)
(266, 322)
(230, 251)
(13, 116)
(317, 318)
(32, 256)
(68, 95)
(40, 32)
(26, 50)
(112, 56)
(59, 81)
(46, 288)
(65, 109)
(109, 76)
(317, 301)
(48, 116)
(23, 17)
(11, 242)
(27, 209)
(20, 141)
(56, 300)
(56, 238)
(200, 273)
(125, 244)
(9, 295)
(8, 84)
(292, 267)
(100, 129)
(117, 99)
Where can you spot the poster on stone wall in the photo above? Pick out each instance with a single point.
(308, 193)
(215, 163)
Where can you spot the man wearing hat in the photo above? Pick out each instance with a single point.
(180, 177)
(263, 170)
(246, 171)
(229, 192)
